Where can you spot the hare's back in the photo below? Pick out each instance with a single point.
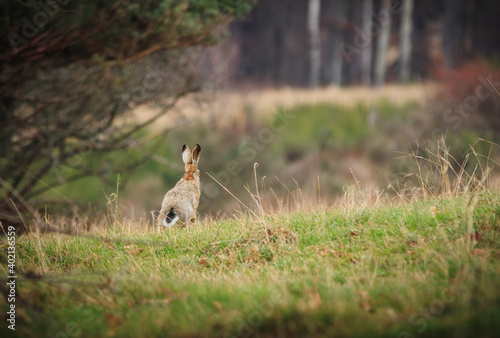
(183, 194)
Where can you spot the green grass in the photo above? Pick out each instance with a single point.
(385, 270)
(341, 127)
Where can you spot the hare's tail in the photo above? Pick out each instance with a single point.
(170, 219)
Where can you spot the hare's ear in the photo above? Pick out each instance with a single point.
(196, 154)
(186, 155)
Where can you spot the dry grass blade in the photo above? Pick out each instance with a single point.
(230, 193)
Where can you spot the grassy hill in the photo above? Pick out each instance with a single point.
(424, 267)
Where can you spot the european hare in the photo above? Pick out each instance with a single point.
(180, 203)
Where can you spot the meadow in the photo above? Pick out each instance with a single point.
(425, 267)
(324, 248)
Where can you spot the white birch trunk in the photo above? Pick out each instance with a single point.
(383, 43)
(340, 8)
(314, 37)
(406, 46)
(366, 53)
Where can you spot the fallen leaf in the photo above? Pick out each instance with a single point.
(113, 320)
(217, 305)
(110, 245)
(412, 243)
(204, 262)
(476, 236)
(479, 252)
(434, 212)
(136, 251)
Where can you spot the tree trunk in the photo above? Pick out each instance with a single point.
(406, 33)
(314, 37)
(366, 53)
(382, 43)
(353, 60)
(454, 22)
(336, 14)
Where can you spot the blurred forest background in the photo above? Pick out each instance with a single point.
(322, 94)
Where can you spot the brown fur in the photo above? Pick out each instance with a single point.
(185, 196)
(190, 175)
